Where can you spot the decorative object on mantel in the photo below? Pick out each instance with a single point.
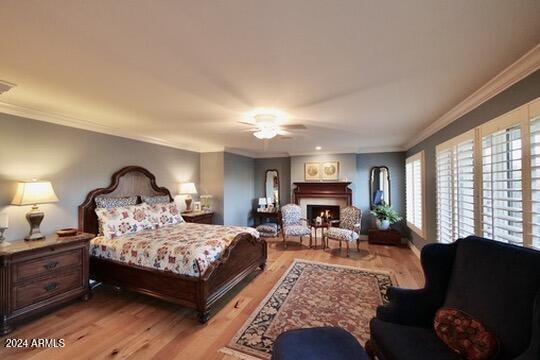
(34, 193)
(188, 189)
(385, 216)
(337, 295)
(4, 222)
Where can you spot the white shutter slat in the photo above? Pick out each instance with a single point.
(535, 170)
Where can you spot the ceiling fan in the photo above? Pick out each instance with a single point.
(266, 127)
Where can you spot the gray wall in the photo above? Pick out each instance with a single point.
(75, 161)
(239, 189)
(520, 93)
(395, 161)
(283, 166)
(212, 181)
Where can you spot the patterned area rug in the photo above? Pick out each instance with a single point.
(312, 294)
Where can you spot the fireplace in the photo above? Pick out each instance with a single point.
(322, 194)
(329, 212)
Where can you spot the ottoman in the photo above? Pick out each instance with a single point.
(268, 229)
(322, 343)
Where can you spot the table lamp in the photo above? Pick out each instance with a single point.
(262, 204)
(34, 193)
(188, 189)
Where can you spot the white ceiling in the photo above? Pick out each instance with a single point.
(362, 75)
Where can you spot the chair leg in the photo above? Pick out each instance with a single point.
(340, 244)
(358, 245)
(311, 240)
(301, 240)
(369, 349)
(347, 249)
(284, 240)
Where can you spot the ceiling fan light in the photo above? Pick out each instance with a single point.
(265, 133)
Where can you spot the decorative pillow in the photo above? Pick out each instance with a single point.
(118, 221)
(164, 214)
(110, 202)
(465, 335)
(160, 199)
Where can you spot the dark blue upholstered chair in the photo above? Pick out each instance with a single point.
(496, 283)
(323, 343)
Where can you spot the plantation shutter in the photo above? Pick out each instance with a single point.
(535, 179)
(445, 196)
(414, 192)
(464, 189)
(502, 204)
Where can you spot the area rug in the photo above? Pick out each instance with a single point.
(312, 294)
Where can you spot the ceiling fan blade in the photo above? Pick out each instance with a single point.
(246, 123)
(294, 127)
(284, 137)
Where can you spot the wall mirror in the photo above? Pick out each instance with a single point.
(271, 185)
(379, 186)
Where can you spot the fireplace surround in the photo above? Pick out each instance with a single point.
(322, 193)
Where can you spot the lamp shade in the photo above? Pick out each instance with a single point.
(262, 201)
(32, 193)
(188, 188)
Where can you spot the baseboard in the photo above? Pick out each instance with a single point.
(414, 249)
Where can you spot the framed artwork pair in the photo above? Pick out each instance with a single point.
(317, 171)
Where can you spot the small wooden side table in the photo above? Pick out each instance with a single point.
(260, 216)
(384, 237)
(199, 217)
(321, 226)
(39, 275)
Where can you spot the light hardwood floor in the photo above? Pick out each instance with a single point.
(121, 325)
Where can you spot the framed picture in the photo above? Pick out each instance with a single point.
(197, 206)
(330, 170)
(312, 171)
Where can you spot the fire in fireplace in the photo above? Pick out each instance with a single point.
(327, 212)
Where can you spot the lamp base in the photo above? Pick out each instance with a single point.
(188, 202)
(34, 218)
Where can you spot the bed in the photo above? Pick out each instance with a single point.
(199, 284)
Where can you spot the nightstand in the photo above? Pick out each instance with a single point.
(200, 217)
(36, 276)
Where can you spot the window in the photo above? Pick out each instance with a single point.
(488, 180)
(414, 169)
(455, 188)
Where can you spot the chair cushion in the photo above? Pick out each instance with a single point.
(341, 234)
(394, 341)
(296, 230)
(324, 343)
(268, 229)
(500, 282)
(464, 334)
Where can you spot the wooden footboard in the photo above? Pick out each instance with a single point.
(241, 258)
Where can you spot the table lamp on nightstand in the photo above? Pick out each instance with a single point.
(188, 189)
(34, 193)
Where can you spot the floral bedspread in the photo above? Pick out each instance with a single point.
(176, 248)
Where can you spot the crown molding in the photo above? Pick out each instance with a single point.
(523, 67)
(72, 122)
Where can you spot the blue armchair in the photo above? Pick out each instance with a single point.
(496, 283)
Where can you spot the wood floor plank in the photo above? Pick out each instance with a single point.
(124, 325)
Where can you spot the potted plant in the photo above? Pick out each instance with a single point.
(385, 216)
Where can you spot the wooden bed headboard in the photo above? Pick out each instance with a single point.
(128, 181)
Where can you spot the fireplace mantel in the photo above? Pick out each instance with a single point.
(333, 190)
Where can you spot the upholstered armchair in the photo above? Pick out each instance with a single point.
(348, 230)
(293, 224)
(496, 283)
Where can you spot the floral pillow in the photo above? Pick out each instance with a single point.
(124, 220)
(465, 335)
(164, 214)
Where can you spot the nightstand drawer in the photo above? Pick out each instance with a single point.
(46, 288)
(46, 264)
